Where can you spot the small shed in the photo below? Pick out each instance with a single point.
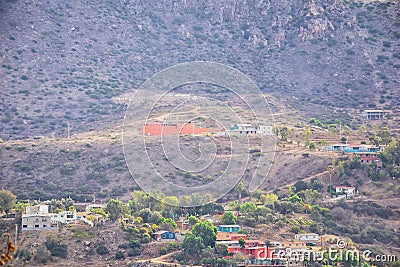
(165, 236)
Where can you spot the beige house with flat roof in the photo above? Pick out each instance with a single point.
(38, 218)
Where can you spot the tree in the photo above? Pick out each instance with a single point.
(362, 130)
(192, 244)
(346, 130)
(247, 207)
(116, 209)
(332, 131)
(375, 128)
(145, 214)
(385, 136)
(229, 218)
(311, 196)
(316, 184)
(270, 198)
(340, 169)
(330, 170)
(242, 242)
(295, 199)
(307, 137)
(315, 121)
(20, 207)
(131, 206)
(312, 146)
(155, 217)
(193, 220)
(300, 185)
(221, 249)
(140, 199)
(391, 155)
(186, 201)
(207, 231)
(7, 200)
(284, 132)
(170, 206)
(240, 188)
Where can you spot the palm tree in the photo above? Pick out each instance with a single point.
(240, 188)
(268, 244)
(330, 170)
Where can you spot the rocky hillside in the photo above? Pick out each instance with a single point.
(62, 62)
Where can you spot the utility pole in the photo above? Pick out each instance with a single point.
(68, 131)
(16, 234)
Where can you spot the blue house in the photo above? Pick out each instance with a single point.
(229, 228)
(165, 236)
(353, 149)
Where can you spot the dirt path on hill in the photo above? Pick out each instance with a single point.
(164, 259)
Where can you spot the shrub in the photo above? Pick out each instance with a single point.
(119, 255)
(42, 255)
(102, 250)
(163, 250)
(134, 252)
(68, 169)
(56, 248)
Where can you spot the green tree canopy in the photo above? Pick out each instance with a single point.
(192, 244)
(270, 198)
(229, 218)
(300, 185)
(7, 200)
(385, 136)
(295, 199)
(316, 184)
(193, 220)
(247, 207)
(207, 231)
(116, 209)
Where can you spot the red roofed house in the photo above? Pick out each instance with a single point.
(370, 158)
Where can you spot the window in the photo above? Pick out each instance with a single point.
(44, 220)
(70, 216)
(24, 226)
(44, 226)
(36, 225)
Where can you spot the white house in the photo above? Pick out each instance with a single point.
(246, 128)
(65, 217)
(349, 191)
(38, 218)
(243, 129)
(265, 130)
(307, 237)
(374, 114)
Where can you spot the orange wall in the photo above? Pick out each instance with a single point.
(159, 129)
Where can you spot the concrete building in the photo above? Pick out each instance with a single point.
(38, 218)
(65, 217)
(265, 130)
(349, 191)
(307, 237)
(243, 129)
(246, 128)
(374, 114)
